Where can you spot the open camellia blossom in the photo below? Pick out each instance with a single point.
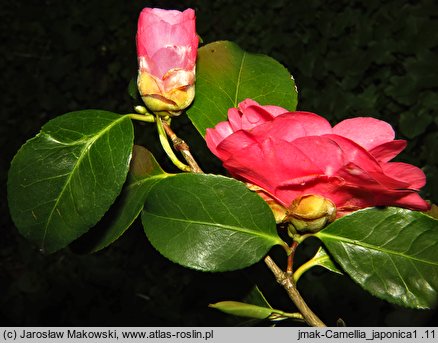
(288, 156)
(166, 48)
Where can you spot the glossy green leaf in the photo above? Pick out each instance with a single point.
(321, 259)
(255, 306)
(208, 222)
(227, 75)
(390, 252)
(63, 180)
(144, 172)
(433, 211)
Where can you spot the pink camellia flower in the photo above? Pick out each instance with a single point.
(296, 158)
(166, 48)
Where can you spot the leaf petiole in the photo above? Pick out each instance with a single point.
(280, 315)
(148, 118)
(300, 238)
(314, 261)
(167, 148)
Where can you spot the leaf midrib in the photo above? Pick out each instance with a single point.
(219, 225)
(85, 149)
(372, 247)
(239, 76)
(148, 179)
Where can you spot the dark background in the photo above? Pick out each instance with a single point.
(349, 58)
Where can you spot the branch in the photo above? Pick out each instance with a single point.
(291, 289)
(183, 148)
(166, 146)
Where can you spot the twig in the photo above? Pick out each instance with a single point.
(183, 148)
(290, 259)
(167, 148)
(291, 289)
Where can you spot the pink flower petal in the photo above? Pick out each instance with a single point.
(328, 187)
(354, 153)
(274, 110)
(167, 39)
(178, 78)
(369, 178)
(166, 59)
(291, 154)
(361, 167)
(263, 163)
(214, 137)
(405, 172)
(407, 199)
(151, 16)
(176, 28)
(322, 151)
(235, 119)
(292, 125)
(253, 116)
(365, 131)
(387, 151)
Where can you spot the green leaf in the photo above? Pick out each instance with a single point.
(390, 252)
(321, 259)
(254, 306)
(144, 172)
(256, 297)
(133, 89)
(62, 181)
(240, 309)
(227, 75)
(208, 222)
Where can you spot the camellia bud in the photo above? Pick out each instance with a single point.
(166, 48)
(311, 213)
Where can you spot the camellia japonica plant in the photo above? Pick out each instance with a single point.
(291, 175)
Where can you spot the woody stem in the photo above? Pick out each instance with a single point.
(289, 285)
(183, 148)
(290, 259)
